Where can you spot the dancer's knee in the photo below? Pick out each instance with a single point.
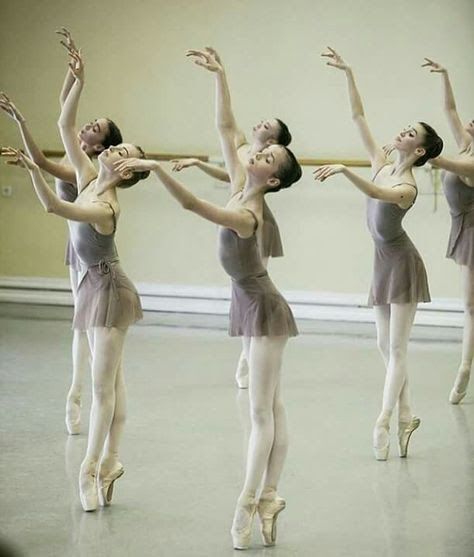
(261, 414)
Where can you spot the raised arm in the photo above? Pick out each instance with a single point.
(241, 221)
(85, 170)
(58, 170)
(376, 154)
(94, 213)
(463, 166)
(461, 136)
(69, 79)
(402, 195)
(210, 169)
(225, 122)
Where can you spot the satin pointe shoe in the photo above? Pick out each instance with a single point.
(455, 397)
(105, 484)
(405, 429)
(381, 441)
(458, 392)
(73, 416)
(241, 530)
(268, 511)
(88, 491)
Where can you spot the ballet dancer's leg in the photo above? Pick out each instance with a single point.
(382, 322)
(401, 321)
(265, 356)
(242, 373)
(80, 365)
(461, 382)
(106, 359)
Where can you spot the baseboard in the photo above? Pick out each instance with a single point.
(324, 306)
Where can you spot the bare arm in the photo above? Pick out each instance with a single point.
(58, 170)
(225, 121)
(95, 213)
(210, 169)
(85, 170)
(402, 195)
(463, 166)
(239, 220)
(460, 134)
(376, 154)
(69, 79)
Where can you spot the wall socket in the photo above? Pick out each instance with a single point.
(7, 191)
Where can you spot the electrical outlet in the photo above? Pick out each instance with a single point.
(7, 191)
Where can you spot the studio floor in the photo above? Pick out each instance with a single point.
(183, 448)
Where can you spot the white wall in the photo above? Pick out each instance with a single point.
(137, 74)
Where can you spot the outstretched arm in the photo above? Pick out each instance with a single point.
(460, 134)
(241, 221)
(85, 170)
(462, 166)
(225, 122)
(69, 79)
(376, 154)
(58, 170)
(210, 169)
(402, 194)
(97, 213)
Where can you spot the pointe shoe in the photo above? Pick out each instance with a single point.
(462, 381)
(381, 450)
(105, 484)
(241, 530)
(455, 397)
(88, 491)
(242, 381)
(268, 511)
(405, 429)
(73, 416)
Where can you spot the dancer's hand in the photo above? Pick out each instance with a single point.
(434, 66)
(16, 157)
(388, 149)
(68, 40)
(9, 108)
(136, 165)
(335, 59)
(179, 164)
(207, 58)
(323, 172)
(76, 63)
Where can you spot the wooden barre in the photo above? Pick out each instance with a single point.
(205, 158)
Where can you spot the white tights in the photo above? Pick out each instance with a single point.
(80, 349)
(108, 410)
(394, 323)
(268, 441)
(467, 355)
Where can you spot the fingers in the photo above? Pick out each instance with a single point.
(320, 174)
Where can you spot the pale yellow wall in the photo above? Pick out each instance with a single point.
(137, 74)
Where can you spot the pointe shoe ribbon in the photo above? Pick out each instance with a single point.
(268, 511)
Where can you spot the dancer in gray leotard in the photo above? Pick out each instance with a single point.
(399, 273)
(94, 137)
(265, 133)
(258, 310)
(399, 279)
(458, 184)
(107, 302)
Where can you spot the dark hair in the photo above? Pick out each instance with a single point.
(432, 143)
(284, 135)
(113, 135)
(288, 173)
(137, 175)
